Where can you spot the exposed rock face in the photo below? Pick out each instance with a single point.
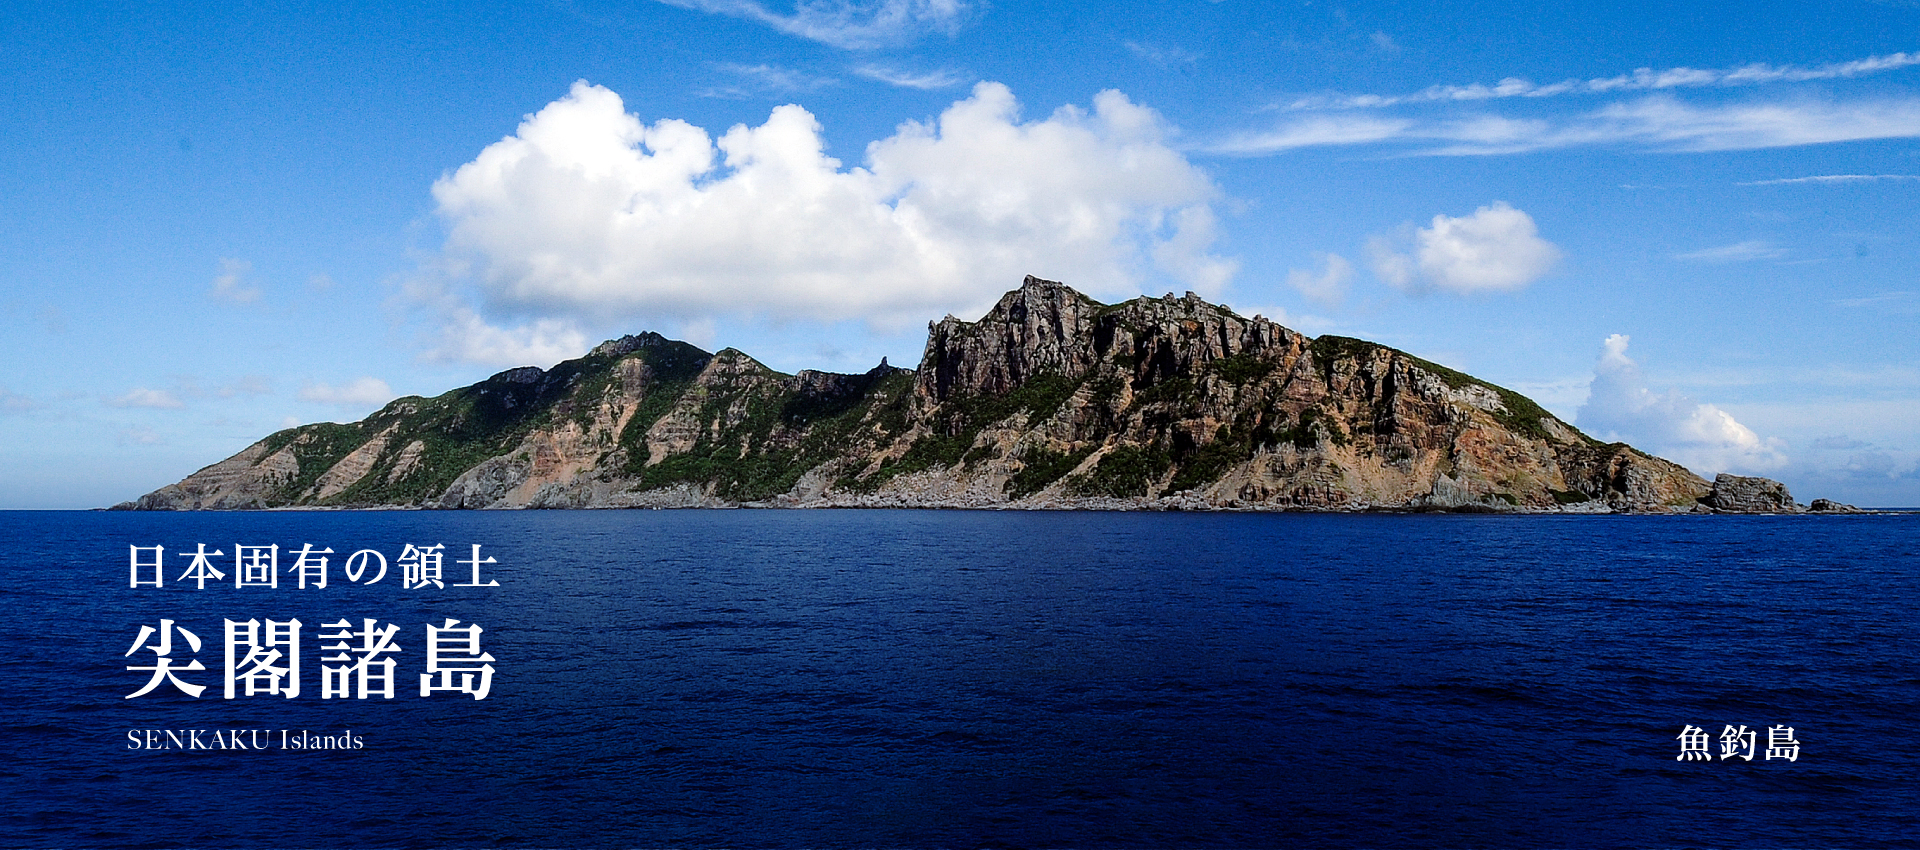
(254, 478)
(1826, 506)
(1041, 328)
(1742, 494)
(1050, 400)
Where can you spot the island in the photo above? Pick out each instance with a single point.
(1052, 400)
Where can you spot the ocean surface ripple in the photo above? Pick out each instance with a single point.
(998, 679)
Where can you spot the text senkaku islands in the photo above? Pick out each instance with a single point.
(264, 658)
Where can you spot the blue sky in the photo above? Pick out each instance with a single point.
(1684, 225)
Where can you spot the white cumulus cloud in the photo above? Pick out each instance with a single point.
(586, 216)
(1701, 437)
(466, 337)
(1496, 249)
(1327, 288)
(360, 392)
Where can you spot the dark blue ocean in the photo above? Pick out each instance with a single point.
(989, 679)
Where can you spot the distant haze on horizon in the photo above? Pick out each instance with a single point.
(1685, 226)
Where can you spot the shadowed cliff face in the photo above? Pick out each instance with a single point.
(1050, 400)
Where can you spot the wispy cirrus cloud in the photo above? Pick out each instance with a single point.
(12, 402)
(139, 436)
(1318, 131)
(189, 387)
(1658, 122)
(1641, 79)
(142, 397)
(1830, 179)
(233, 283)
(1896, 302)
(846, 24)
(1668, 122)
(1646, 112)
(360, 392)
(764, 79)
(1738, 252)
(1161, 56)
(908, 80)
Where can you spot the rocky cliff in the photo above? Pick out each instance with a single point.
(1050, 400)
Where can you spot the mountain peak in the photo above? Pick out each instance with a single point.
(628, 344)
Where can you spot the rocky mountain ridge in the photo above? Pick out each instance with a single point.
(1051, 400)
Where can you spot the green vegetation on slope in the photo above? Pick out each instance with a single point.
(957, 424)
(779, 434)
